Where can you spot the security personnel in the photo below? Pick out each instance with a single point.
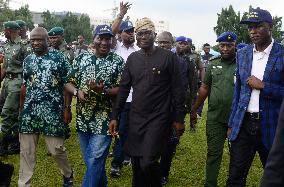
(56, 40)
(23, 29)
(183, 50)
(14, 53)
(23, 35)
(218, 86)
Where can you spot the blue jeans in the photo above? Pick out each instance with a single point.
(119, 155)
(94, 149)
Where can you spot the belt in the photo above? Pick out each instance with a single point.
(253, 115)
(13, 75)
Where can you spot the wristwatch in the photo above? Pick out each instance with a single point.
(75, 92)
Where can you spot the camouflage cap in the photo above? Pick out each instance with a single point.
(56, 31)
(11, 25)
(21, 23)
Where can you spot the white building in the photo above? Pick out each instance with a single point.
(162, 26)
(100, 21)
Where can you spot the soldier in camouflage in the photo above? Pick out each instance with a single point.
(14, 53)
(57, 41)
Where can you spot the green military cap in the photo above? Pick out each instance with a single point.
(56, 31)
(21, 23)
(11, 25)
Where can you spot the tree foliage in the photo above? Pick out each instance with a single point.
(6, 14)
(73, 25)
(229, 20)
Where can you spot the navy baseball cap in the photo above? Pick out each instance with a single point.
(126, 25)
(103, 29)
(227, 37)
(181, 39)
(256, 16)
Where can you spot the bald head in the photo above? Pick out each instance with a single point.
(39, 31)
(165, 40)
(39, 40)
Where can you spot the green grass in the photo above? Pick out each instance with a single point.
(187, 167)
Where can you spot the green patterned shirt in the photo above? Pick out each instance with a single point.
(93, 116)
(44, 78)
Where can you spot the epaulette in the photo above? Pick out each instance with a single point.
(215, 57)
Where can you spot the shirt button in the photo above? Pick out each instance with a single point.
(245, 108)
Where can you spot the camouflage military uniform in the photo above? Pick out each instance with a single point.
(15, 52)
(68, 52)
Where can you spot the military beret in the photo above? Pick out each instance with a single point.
(21, 23)
(11, 25)
(227, 37)
(256, 16)
(181, 39)
(56, 31)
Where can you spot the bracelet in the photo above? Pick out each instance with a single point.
(120, 16)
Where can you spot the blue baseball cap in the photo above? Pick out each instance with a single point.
(256, 16)
(181, 39)
(189, 39)
(103, 29)
(126, 25)
(227, 37)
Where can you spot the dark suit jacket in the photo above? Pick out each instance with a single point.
(274, 169)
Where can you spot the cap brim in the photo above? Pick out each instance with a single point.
(106, 33)
(247, 21)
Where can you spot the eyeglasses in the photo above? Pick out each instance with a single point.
(144, 33)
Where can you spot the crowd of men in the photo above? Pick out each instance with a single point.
(139, 94)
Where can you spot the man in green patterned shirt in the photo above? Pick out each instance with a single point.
(94, 79)
(42, 105)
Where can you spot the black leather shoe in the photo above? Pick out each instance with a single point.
(68, 181)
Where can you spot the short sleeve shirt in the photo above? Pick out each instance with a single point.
(93, 115)
(220, 79)
(44, 78)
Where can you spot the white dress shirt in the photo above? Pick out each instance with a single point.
(124, 52)
(259, 62)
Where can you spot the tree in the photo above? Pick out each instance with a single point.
(49, 20)
(229, 20)
(73, 25)
(6, 14)
(24, 14)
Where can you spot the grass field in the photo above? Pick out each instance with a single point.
(187, 168)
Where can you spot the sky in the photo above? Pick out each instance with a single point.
(191, 18)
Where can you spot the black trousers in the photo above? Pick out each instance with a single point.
(243, 149)
(168, 154)
(146, 172)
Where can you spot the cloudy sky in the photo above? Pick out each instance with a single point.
(192, 18)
